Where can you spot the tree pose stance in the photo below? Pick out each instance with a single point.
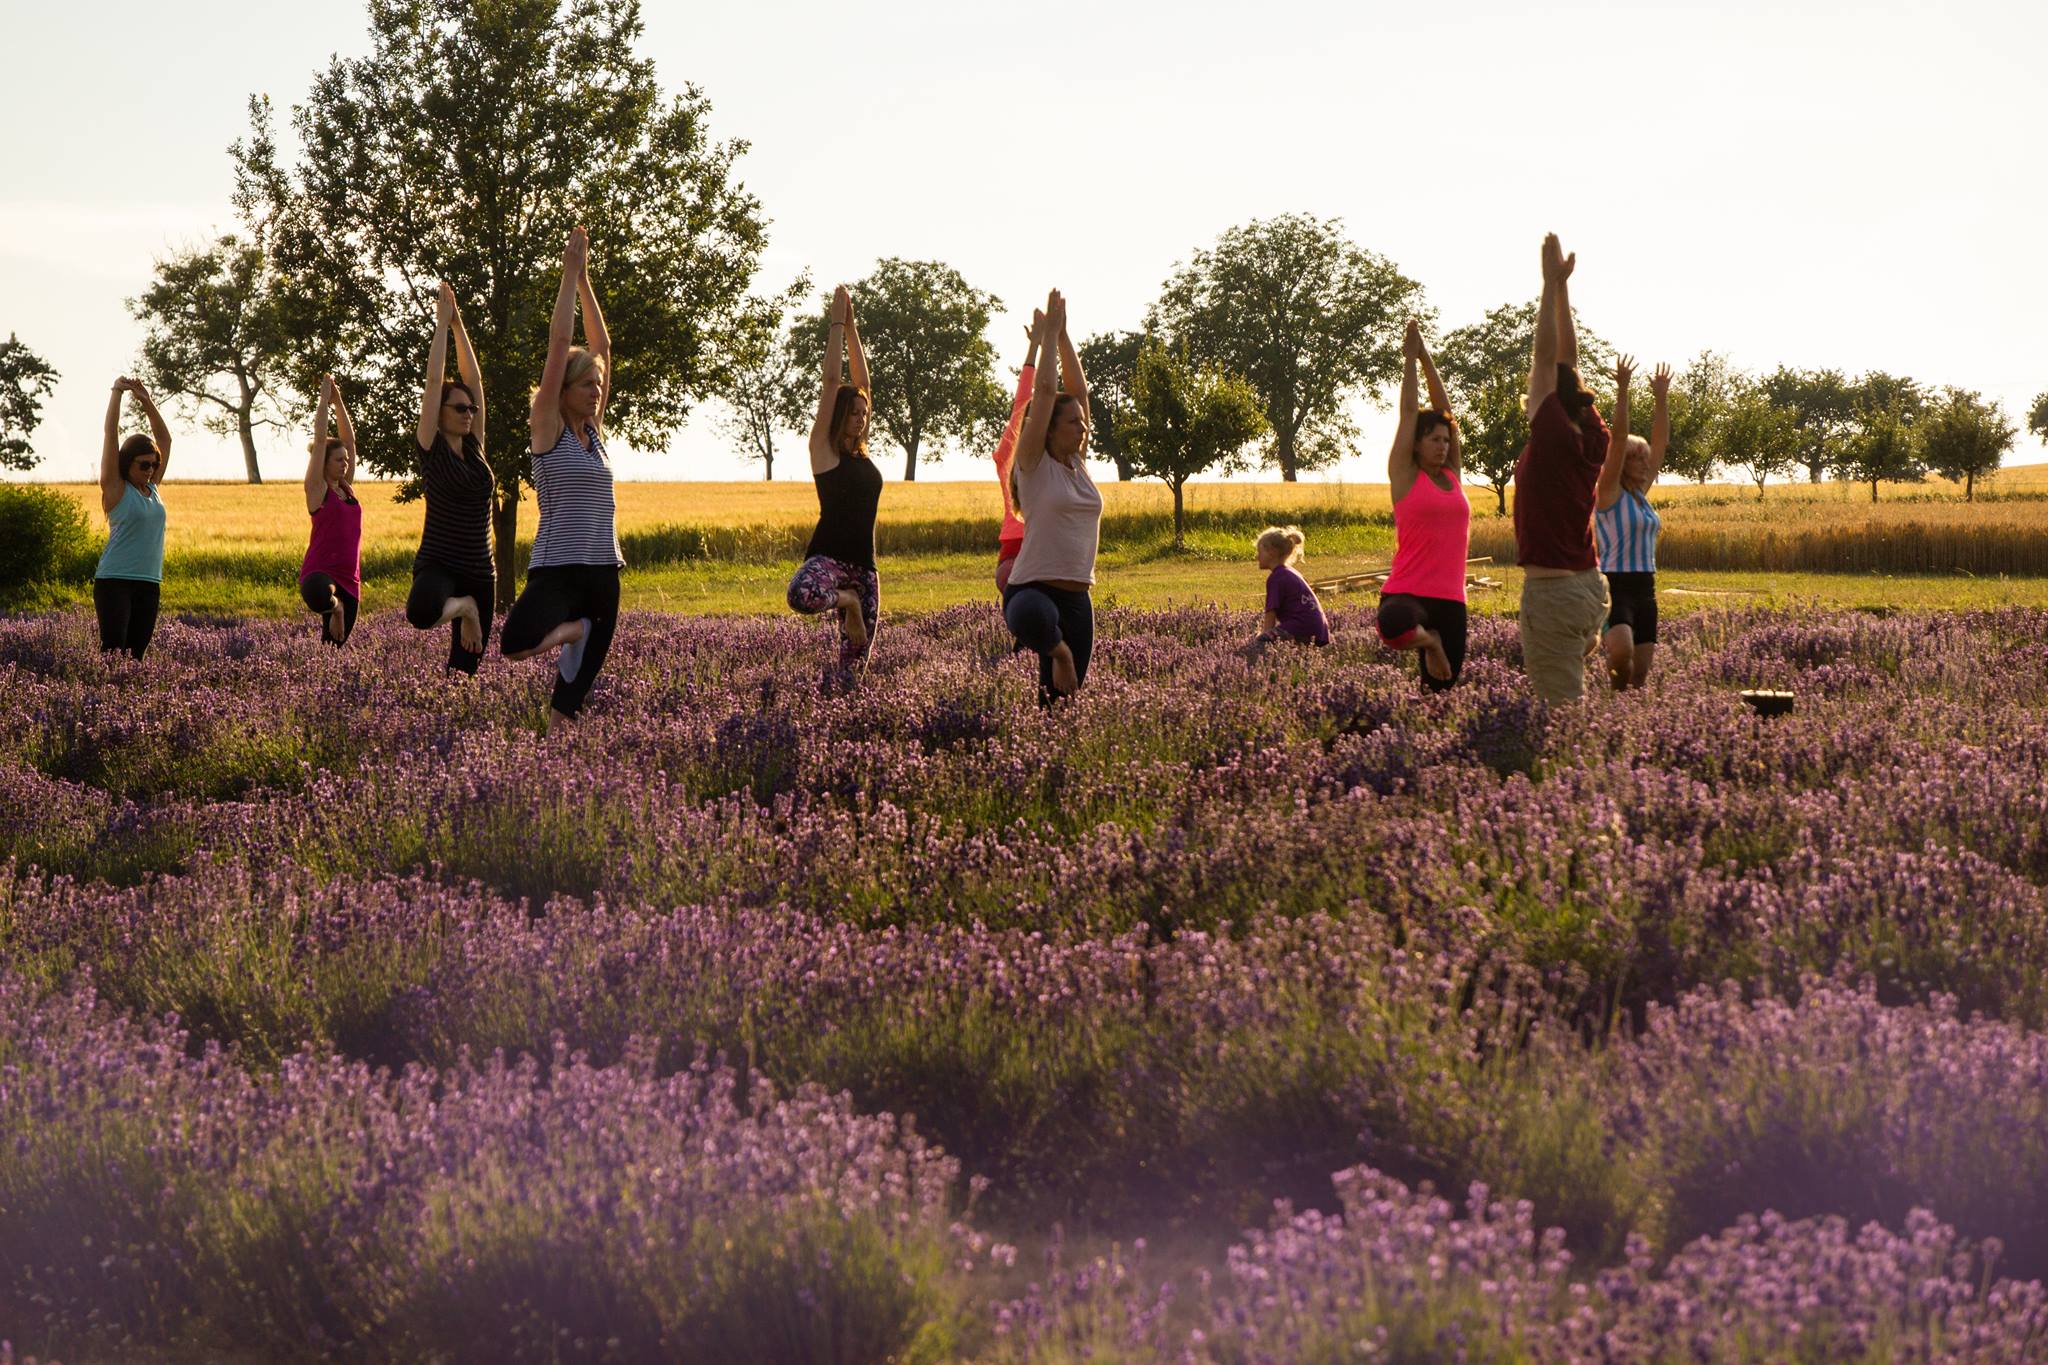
(1046, 603)
(454, 578)
(838, 572)
(331, 576)
(1564, 597)
(127, 586)
(1626, 527)
(571, 599)
(1422, 602)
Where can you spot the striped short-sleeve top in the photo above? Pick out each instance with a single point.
(578, 518)
(1627, 533)
(459, 486)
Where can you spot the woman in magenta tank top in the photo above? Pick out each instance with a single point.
(1422, 602)
(331, 578)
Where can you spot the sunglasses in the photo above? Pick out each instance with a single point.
(464, 408)
(143, 464)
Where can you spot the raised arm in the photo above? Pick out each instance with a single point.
(1660, 417)
(465, 365)
(1608, 491)
(1440, 399)
(856, 354)
(1567, 326)
(437, 368)
(316, 449)
(545, 417)
(1075, 382)
(1543, 353)
(595, 337)
(157, 428)
(112, 485)
(1401, 458)
(823, 457)
(1044, 386)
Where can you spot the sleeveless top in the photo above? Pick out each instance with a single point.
(459, 488)
(135, 537)
(578, 519)
(1432, 533)
(849, 494)
(336, 547)
(1627, 533)
(1062, 523)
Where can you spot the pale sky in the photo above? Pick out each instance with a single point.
(1819, 184)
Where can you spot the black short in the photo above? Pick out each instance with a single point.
(322, 594)
(1632, 602)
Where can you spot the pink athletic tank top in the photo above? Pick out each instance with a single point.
(336, 548)
(1432, 532)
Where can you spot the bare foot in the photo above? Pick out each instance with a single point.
(472, 631)
(337, 625)
(1065, 680)
(851, 623)
(557, 720)
(1433, 657)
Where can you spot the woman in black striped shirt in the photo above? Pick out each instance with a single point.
(571, 599)
(454, 578)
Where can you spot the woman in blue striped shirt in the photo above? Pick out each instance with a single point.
(571, 599)
(1626, 527)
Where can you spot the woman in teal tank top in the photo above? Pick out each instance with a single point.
(128, 584)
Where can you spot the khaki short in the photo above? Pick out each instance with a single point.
(1560, 622)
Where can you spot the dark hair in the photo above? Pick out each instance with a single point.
(842, 407)
(134, 448)
(451, 386)
(1428, 420)
(334, 443)
(1571, 392)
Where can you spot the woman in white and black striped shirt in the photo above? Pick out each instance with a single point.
(1626, 528)
(571, 599)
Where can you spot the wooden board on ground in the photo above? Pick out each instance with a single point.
(1372, 578)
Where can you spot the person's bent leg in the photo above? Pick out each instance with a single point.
(596, 593)
(1554, 632)
(1034, 620)
(1620, 646)
(548, 602)
(1406, 621)
(1646, 633)
(1077, 630)
(1449, 620)
(349, 607)
(322, 596)
(814, 587)
(111, 605)
(144, 601)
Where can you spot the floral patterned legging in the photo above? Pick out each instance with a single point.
(815, 589)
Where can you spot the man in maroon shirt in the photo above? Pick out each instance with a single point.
(1564, 595)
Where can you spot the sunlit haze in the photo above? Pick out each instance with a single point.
(1855, 186)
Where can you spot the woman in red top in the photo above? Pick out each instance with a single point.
(331, 578)
(1422, 602)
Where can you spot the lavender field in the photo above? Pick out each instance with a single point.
(1231, 1012)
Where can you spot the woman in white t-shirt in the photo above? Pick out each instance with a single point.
(1046, 603)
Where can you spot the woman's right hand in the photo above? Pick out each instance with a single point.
(444, 303)
(1411, 341)
(1660, 381)
(576, 251)
(1624, 369)
(842, 304)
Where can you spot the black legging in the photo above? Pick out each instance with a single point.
(320, 593)
(1041, 616)
(127, 610)
(1402, 612)
(432, 586)
(561, 593)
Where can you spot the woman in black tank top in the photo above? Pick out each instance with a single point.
(838, 572)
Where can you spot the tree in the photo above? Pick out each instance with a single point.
(1755, 435)
(1110, 360)
(464, 146)
(1882, 446)
(1186, 418)
(1700, 396)
(769, 387)
(1303, 314)
(2037, 420)
(1822, 405)
(1964, 437)
(1486, 369)
(26, 379)
(932, 367)
(219, 339)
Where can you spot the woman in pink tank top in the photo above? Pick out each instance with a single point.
(331, 578)
(1422, 602)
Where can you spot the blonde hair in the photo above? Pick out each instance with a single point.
(1287, 539)
(1636, 445)
(581, 362)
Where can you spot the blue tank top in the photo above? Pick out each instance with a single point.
(135, 538)
(1627, 533)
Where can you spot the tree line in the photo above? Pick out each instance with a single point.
(470, 138)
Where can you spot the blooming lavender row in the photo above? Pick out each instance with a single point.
(149, 1197)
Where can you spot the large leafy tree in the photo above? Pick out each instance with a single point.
(1755, 435)
(464, 146)
(1962, 436)
(1485, 366)
(1822, 405)
(219, 335)
(1883, 445)
(929, 359)
(1305, 315)
(1187, 418)
(26, 379)
(1110, 360)
(2037, 420)
(1700, 395)
(769, 388)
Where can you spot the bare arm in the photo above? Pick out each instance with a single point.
(1044, 387)
(544, 420)
(1543, 354)
(465, 365)
(316, 450)
(1401, 458)
(1608, 491)
(157, 429)
(1660, 417)
(1440, 399)
(112, 486)
(1567, 326)
(1070, 368)
(437, 368)
(828, 387)
(856, 354)
(596, 337)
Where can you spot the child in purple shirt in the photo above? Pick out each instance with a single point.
(1291, 606)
